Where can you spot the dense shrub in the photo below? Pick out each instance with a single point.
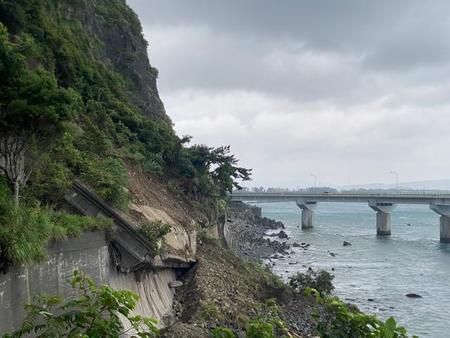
(260, 329)
(341, 320)
(98, 311)
(25, 232)
(319, 280)
(223, 332)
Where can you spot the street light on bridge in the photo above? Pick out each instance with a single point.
(315, 182)
(396, 178)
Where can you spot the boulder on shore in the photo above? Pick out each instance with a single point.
(282, 234)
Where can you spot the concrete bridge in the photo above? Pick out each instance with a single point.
(383, 204)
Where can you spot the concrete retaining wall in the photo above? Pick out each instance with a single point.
(90, 254)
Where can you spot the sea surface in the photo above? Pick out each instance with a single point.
(412, 260)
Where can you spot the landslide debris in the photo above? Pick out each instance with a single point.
(225, 290)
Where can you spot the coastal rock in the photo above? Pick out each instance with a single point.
(413, 295)
(346, 243)
(272, 235)
(270, 223)
(282, 234)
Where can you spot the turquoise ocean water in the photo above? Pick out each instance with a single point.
(412, 260)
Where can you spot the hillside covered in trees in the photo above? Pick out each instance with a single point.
(78, 99)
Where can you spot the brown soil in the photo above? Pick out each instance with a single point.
(221, 289)
(224, 290)
(147, 190)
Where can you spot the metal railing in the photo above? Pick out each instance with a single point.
(343, 194)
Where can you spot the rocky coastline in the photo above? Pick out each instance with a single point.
(264, 240)
(259, 238)
(251, 234)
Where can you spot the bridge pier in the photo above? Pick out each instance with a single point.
(444, 221)
(307, 207)
(383, 217)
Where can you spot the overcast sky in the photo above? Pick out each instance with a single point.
(345, 90)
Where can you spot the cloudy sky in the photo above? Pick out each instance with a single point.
(346, 90)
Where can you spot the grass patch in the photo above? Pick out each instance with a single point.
(154, 232)
(25, 232)
(209, 312)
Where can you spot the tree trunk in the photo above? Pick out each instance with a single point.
(16, 192)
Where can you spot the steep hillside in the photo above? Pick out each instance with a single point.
(83, 89)
(96, 51)
(121, 47)
(90, 41)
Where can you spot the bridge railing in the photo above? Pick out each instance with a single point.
(343, 194)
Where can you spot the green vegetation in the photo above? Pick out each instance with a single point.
(71, 106)
(96, 312)
(154, 232)
(341, 320)
(25, 232)
(58, 80)
(32, 109)
(209, 311)
(267, 324)
(321, 280)
(336, 318)
(223, 332)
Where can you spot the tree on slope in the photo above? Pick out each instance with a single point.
(215, 170)
(33, 108)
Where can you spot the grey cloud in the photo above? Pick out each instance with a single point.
(320, 23)
(348, 89)
(232, 44)
(220, 62)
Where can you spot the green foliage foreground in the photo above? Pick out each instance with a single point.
(98, 312)
(341, 320)
(319, 280)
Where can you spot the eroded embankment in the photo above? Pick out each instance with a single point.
(225, 290)
(228, 286)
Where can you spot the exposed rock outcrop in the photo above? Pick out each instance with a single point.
(117, 28)
(244, 231)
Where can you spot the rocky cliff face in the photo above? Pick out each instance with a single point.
(121, 45)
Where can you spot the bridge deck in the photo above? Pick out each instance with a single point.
(399, 198)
